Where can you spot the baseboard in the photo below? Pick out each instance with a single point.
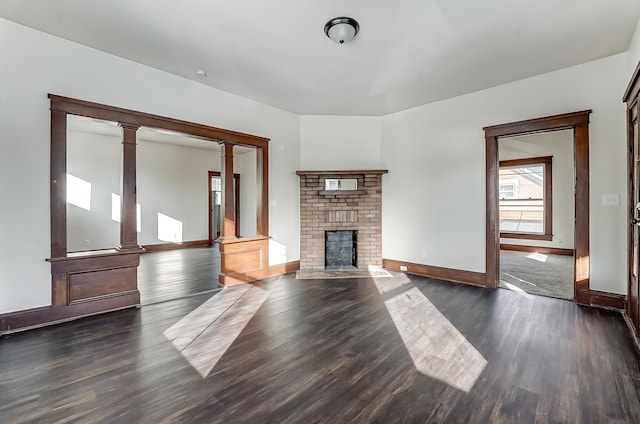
(284, 268)
(536, 249)
(460, 276)
(607, 300)
(50, 315)
(173, 246)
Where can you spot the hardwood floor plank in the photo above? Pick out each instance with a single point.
(327, 351)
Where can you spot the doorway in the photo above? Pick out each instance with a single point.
(215, 201)
(536, 213)
(578, 123)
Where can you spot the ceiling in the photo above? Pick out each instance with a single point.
(408, 52)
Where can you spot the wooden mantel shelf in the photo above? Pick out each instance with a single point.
(341, 192)
(345, 172)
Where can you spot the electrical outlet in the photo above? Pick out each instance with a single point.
(423, 253)
(403, 268)
(87, 243)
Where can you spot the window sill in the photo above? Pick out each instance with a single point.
(527, 236)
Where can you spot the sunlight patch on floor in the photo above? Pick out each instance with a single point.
(436, 347)
(205, 334)
(537, 257)
(519, 279)
(516, 289)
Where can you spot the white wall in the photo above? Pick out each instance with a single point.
(434, 194)
(41, 64)
(558, 144)
(246, 167)
(173, 181)
(634, 51)
(339, 142)
(96, 159)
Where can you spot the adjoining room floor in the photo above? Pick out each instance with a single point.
(389, 350)
(173, 274)
(537, 273)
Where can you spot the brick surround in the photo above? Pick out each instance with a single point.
(322, 211)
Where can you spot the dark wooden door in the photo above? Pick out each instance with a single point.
(634, 213)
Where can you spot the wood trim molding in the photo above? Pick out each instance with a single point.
(40, 317)
(133, 117)
(579, 122)
(538, 125)
(459, 276)
(174, 246)
(536, 249)
(607, 300)
(345, 172)
(527, 236)
(283, 268)
(548, 197)
(109, 278)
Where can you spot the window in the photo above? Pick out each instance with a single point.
(508, 188)
(525, 198)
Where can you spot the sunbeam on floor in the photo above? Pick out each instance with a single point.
(203, 336)
(437, 348)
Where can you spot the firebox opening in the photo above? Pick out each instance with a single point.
(340, 250)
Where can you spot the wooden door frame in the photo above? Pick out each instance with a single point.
(579, 123)
(631, 98)
(236, 178)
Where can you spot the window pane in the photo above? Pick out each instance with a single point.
(521, 191)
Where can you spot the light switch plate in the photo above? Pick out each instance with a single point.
(610, 199)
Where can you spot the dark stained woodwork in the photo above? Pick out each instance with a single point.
(111, 292)
(456, 275)
(579, 122)
(548, 197)
(40, 317)
(236, 178)
(328, 351)
(58, 185)
(582, 235)
(227, 205)
(607, 300)
(492, 252)
(262, 192)
(116, 114)
(86, 286)
(537, 125)
(243, 260)
(344, 172)
(536, 249)
(632, 100)
(128, 222)
(527, 236)
(342, 192)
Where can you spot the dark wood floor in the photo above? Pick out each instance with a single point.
(173, 274)
(330, 351)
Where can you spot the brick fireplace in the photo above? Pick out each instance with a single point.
(327, 209)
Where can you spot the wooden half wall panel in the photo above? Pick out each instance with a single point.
(243, 260)
(87, 286)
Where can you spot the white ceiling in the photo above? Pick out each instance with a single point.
(408, 52)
